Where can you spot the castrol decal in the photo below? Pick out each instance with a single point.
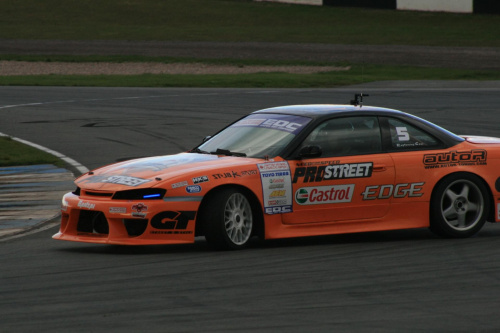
(324, 194)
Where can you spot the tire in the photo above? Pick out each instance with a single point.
(459, 206)
(228, 220)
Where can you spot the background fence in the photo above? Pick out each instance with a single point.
(454, 6)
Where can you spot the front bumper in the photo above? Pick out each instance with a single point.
(105, 221)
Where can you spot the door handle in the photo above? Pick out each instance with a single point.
(379, 168)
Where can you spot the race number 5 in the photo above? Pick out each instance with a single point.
(402, 134)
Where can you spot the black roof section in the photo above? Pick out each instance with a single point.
(320, 112)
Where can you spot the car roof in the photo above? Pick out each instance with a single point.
(320, 112)
(327, 110)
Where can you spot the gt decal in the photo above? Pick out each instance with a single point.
(395, 191)
(333, 171)
(324, 194)
(172, 219)
(452, 158)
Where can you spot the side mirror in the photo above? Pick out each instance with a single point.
(205, 139)
(310, 152)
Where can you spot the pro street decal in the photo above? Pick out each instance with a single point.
(271, 174)
(333, 171)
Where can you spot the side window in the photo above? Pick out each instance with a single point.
(407, 137)
(346, 136)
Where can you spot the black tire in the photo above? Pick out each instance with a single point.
(459, 206)
(228, 220)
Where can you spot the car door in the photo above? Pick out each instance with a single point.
(408, 146)
(339, 185)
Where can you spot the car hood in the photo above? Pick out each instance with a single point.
(154, 171)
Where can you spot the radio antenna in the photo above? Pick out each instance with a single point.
(358, 99)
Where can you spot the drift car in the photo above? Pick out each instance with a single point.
(294, 171)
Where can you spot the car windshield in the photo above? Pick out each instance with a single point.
(257, 135)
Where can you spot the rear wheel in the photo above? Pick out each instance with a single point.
(228, 220)
(459, 206)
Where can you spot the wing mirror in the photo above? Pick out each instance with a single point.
(205, 139)
(310, 152)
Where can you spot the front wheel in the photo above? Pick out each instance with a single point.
(229, 220)
(459, 206)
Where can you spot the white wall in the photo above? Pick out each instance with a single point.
(456, 6)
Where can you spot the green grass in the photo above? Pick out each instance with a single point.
(16, 153)
(239, 20)
(231, 21)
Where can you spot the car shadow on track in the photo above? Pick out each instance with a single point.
(200, 245)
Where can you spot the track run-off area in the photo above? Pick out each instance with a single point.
(393, 281)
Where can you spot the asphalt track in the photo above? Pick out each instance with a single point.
(393, 281)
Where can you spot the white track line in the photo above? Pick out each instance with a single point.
(81, 168)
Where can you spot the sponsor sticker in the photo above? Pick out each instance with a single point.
(324, 194)
(125, 180)
(287, 123)
(140, 207)
(201, 179)
(224, 175)
(277, 199)
(117, 210)
(85, 204)
(193, 189)
(454, 158)
(393, 191)
(139, 210)
(273, 166)
(333, 171)
(180, 184)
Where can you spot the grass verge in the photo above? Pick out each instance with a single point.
(15, 153)
(240, 20)
(357, 74)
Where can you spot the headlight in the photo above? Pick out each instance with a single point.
(140, 194)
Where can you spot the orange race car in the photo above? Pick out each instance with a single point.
(294, 171)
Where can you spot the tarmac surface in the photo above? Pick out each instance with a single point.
(30, 196)
(393, 281)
